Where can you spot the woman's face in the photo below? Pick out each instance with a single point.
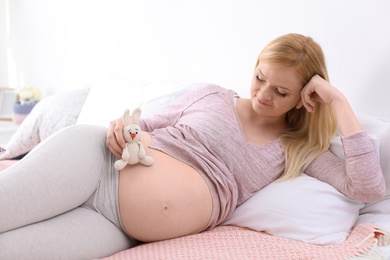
(275, 89)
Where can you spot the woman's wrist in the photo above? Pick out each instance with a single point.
(348, 123)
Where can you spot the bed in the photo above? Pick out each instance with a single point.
(301, 218)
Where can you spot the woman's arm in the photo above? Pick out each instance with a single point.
(359, 176)
(169, 116)
(320, 90)
(115, 139)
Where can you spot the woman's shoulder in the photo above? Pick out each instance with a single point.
(205, 93)
(209, 89)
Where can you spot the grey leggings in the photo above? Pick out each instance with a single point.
(61, 200)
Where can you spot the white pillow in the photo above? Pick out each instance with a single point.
(111, 94)
(301, 208)
(48, 116)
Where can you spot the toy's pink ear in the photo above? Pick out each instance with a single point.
(136, 116)
(126, 117)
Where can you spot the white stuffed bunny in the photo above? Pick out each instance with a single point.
(134, 151)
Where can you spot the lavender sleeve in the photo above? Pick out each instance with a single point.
(359, 176)
(171, 114)
(168, 116)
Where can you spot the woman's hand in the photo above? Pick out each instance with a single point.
(319, 90)
(115, 139)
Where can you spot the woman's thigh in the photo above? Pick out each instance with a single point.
(58, 175)
(77, 234)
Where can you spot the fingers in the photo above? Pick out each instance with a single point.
(115, 140)
(313, 92)
(307, 98)
(299, 104)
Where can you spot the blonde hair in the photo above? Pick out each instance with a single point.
(307, 135)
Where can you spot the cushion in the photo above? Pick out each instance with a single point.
(48, 116)
(124, 92)
(301, 208)
(309, 210)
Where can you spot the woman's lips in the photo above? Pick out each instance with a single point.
(262, 103)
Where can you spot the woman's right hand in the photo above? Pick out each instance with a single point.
(320, 90)
(115, 139)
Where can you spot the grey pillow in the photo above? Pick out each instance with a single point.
(48, 116)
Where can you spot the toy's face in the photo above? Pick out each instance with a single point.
(132, 133)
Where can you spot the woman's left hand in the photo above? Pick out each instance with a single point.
(318, 90)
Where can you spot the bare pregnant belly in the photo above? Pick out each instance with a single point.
(168, 199)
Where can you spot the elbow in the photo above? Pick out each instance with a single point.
(369, 194)
(368, 189)
(380, 192)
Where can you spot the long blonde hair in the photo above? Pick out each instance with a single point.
(307, 135)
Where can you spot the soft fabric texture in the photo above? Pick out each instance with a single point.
(4, 164)
(157, 103)
(111, 94)
(336, 145)
(67, 209)
(48, 116)
(134, 152)
(232, 243)
(302, 208)
(378, 212)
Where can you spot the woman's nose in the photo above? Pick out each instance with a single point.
(264, 93)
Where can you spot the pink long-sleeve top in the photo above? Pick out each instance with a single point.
(202, 129)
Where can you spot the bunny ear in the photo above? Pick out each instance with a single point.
(126, 117)
(136, 115)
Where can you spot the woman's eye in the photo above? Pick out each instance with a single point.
(259, 79)
(276, 89)
(280, 93)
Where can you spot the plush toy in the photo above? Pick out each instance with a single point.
(134, 152)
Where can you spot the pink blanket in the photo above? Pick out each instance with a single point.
(230, 242)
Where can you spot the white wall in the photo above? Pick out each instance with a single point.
(63, 44)
(3, 45)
